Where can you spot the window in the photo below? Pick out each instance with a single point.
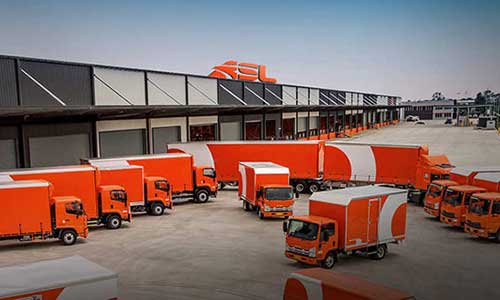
(119, 196)
(467, 199)
(329, 228)
(209, 172)
(74, 208)
(202, 132)
(495, 210)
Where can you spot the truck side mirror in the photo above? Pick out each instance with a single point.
(285, 226)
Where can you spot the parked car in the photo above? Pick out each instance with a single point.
(448, 121)
(412, 118)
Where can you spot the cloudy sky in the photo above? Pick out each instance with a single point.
(406, 48)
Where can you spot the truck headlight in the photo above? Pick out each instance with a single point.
(436, 205)
(290, 208)
(312, 252)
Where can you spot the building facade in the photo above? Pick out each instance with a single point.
(54, 112)
(430, 109)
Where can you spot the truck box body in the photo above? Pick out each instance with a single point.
(70, 278)
(366, 215)
(320, 284)
(254, 175)
(78, 181)
(177, 168)
(397, 164)
(131, 178)
(25, 208)
(489, 181)
(304, 159)
(465, 175)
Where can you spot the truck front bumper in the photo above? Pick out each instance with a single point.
(303, 259)
(277, 214)
(476, 231)
(431, 211)
(451, 221)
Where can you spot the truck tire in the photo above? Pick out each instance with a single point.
(259, 212)
(313, 187)
(329, 260)
(497, 236)
(157, 209)
(246, 206)
(68, 237)
(300, 187)
(113, 222)
(380, 252)
(202, 196)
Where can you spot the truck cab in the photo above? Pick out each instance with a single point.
(483, 216)
(68, 219)
(205, 184)
(434, 196)
(312, 240)
(430, 169)
(158, 195)
(275, 201)
(456, 202)
(113, 206)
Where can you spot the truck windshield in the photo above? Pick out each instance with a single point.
(118, 195)
(162, 185)
(279, 193)
(479, 206)
(453, 197)
(303, 230)
(434, 190)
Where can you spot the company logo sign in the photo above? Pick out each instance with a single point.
(242, 71)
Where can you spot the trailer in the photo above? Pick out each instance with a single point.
(103, 204)
(358, 219)
(186, 179)
(264, 187)
(320, 284)
(304, 159)
(490, 181)
(30, 211)
(69, 278)
(465, 175)
(145, 193)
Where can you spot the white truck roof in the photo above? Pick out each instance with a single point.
(100, 161)
(50, 274)
(58, 169)
(491, 176)
(266, 167)
(345, 196)
(23, 184)
(466, 171)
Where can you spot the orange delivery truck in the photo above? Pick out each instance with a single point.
(103, 204)
(483, 216)
(30, 211)
(320, 284)
(68, 278)
(145, 193)
(458, 176)
(345, 221)
(456, 203)
(408, 166)
(304, 159)
(264, 187)
(186, 179)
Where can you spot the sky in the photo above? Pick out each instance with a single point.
(406, 48)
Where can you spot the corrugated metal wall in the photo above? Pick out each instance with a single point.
(119, 87)
(230, 92)
(289, 95)
(202, 91)
(273, 94)
(8, 88)
(254, 93)
(166, 89)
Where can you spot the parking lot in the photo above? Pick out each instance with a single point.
(218, 251)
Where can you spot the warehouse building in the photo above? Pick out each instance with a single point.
(54, 112)
(431, 109)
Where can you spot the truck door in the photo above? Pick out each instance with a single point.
(373, 211)
(494, 221)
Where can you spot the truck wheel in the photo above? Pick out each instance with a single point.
(497, 236)
(329, 261)
(68, 237)
(380, 252)
(113, 222)
(313, 187)
(202, 196)
(246, 206)
(157, 209)
(300, 187)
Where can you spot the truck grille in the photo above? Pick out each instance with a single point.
(297, 250)
(448, 214)
(278, 209)
(473, 224)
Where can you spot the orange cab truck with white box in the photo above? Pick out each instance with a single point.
(358, 219)
(264, 187)
(69, 278)
(320, 284)
(408, 166)
(145, 193)
(458, 176)
(186, 179)
(304, 159)
(483, 216)
(103, 204)
(30, 211)
(456, 203)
